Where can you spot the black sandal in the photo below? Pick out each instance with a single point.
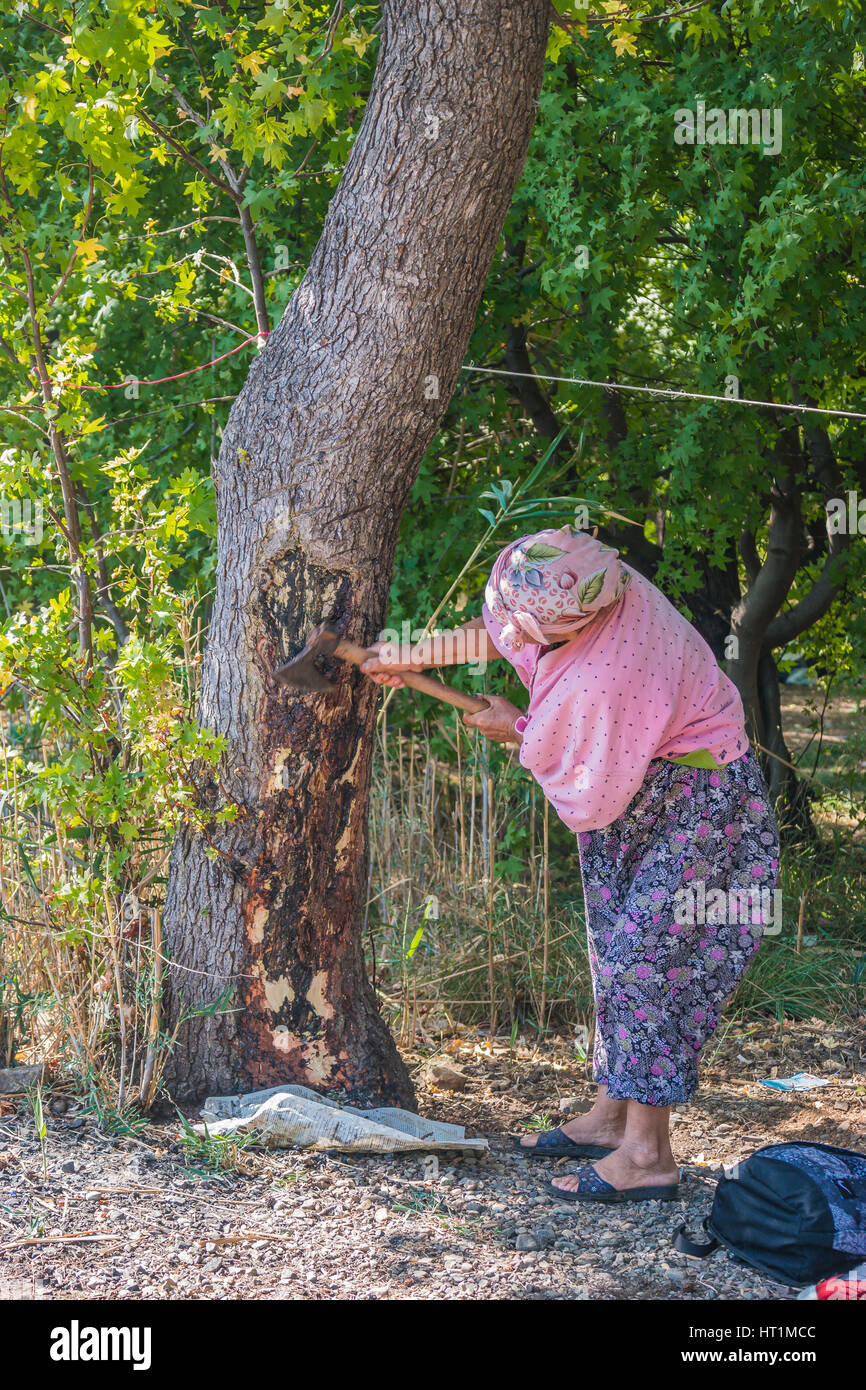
(554, 1144)
(592, 1188)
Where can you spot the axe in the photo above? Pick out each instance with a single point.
(302, 673)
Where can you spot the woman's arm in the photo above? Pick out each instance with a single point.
(468, 645)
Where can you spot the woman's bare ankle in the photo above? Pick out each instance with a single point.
(648, 1153)
(600, 1126)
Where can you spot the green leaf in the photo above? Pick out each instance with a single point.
(415, 943)
(591, 587)
(541, 551)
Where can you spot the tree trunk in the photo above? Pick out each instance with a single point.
(789, 793)
(320, 450)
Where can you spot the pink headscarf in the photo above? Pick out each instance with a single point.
(633, 682)
(549, 585)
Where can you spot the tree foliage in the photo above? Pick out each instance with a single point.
(164, 175)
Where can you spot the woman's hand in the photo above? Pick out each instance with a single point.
(497, 720)
(383, 667)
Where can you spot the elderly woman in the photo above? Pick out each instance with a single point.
(637, 739)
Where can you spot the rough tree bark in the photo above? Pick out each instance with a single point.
(320, 450)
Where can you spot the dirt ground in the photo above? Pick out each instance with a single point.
(91, 1216)
(827, 740)
(839, 718)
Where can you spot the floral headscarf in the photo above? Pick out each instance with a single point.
(549, 585)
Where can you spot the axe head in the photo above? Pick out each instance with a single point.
(302, 673)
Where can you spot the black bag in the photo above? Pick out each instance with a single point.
(795, 1212)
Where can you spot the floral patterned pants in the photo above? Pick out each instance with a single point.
(679, 891)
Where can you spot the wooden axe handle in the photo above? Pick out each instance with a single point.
(350, 651)
(440, 691)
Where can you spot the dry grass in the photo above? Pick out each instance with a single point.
(475, 916)
(80, 971)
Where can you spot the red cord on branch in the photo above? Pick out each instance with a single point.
(158, 381)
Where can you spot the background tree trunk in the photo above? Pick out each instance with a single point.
(320, 450)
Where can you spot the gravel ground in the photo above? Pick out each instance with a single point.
(141, 1223)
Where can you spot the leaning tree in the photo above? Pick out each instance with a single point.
(264, 910)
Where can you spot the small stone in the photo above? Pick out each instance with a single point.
(381, 1214)
(525, 1241)
(568, 1104)
(448, 1078)
(437, 1024)
(68, 1166)
(15, 1080)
